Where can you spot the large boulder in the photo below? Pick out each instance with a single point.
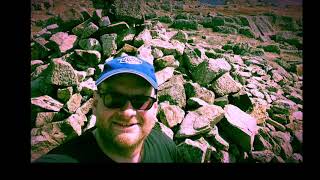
(214, 138)
(181, 36)
(86, 107)
(195, 90)
(210, 69)
(261, 143)
(143, 37)
(241, 100)
(248, 21)
(296, 158)
(73, 103)
(38, 71)
(179, 47)
(264, 25)
(166, 61)
(144, 52)
(85, 29)
(194, 103)
(129, 11)
(288, 37)
(259, 112)
(191, 58)
(166, 47)
(87, 87)
(296, 116)
(164, 75)
(284, 140)
(46, 138)
(46, 103)
(62, 42)
(61, 73)
(221, 101)
(104, 21)
(262, 156)
(173, 91)
(276, 124)
(239, 126)
(119, 28)
(170, 115)
(35, 63)
(108, 44)
(297, 141)
(257, 93)
(200, 121)
(157, 53)
(283, 106)
(76, 121)
(194, 151)
(39, 50)
(90, 57)
(266, 135)
(51, 135)
(44, 118)
(225, 85)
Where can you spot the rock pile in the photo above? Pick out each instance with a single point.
(218, 105)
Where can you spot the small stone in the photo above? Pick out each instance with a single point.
(90, 71)
(47, 103)
(81, 75)
(104, 21)
(62, 42)
(276, 125)
(64, 94)
(74, 103)
(90, 44)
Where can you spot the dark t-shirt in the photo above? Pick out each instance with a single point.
(157, 148)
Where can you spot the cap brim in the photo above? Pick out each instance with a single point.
(125, 70)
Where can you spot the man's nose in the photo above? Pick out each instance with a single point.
(127, 111)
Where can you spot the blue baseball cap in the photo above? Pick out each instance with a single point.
(129, 64)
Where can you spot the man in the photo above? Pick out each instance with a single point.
(125, 106)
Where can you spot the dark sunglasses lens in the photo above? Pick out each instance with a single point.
(142, 102)
(111, 101)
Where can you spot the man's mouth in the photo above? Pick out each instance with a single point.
(124, 124)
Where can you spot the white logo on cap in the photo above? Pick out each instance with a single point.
(130, 60)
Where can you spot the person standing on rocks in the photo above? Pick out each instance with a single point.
(125, 106)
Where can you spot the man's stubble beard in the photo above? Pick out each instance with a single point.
(120, 142)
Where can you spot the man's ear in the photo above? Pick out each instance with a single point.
(95, 102)
(155, 107)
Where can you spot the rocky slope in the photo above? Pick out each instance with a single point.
(230, 85)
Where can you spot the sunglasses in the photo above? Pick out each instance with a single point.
(116, 100)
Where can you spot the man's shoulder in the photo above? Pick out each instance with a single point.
(159, 147)
(56, 158)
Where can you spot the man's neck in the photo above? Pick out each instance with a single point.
(130, 155)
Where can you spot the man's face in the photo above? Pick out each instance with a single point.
(124, 127)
